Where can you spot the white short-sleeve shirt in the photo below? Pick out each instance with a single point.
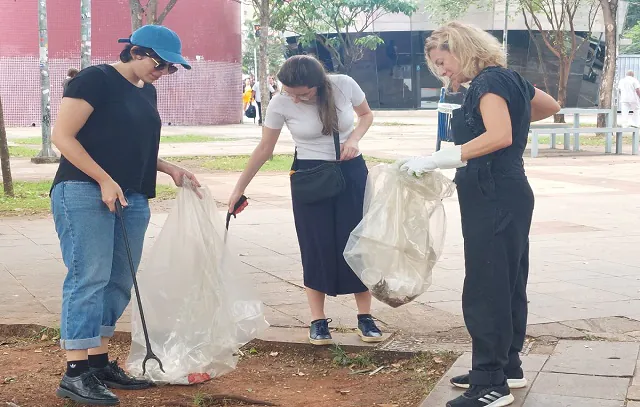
(628, 86)
(303, 119)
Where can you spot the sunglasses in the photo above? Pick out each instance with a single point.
(160, 64)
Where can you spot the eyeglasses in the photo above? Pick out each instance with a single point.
(160, 65)
(305, 98)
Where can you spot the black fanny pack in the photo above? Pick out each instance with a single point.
(318, 183)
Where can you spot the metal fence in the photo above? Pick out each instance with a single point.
(210, 93)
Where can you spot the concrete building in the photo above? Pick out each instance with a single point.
(211, 35)
(395, 76)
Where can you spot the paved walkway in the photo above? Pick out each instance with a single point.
(584, 263)
(584, 242)
(575, 374)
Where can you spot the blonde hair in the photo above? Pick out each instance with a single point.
(475, 49)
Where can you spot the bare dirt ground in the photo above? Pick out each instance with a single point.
(31, 367)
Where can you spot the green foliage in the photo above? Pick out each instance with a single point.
(634, 35)
(633, 15)
(275, 50)
(447, 10)
(320, 20)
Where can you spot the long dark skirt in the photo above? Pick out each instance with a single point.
(323, 230)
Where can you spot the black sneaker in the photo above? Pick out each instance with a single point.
(484, 396)
(367, 329)
(86, 389)
(319, 332)
(115, 378)
(515, 381)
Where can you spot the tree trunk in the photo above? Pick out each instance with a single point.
(263, 56)
(7, 181)
(605, 96)
(136, 14)
(152, 12)
(85, 33)
(47, 155)
(563, 80)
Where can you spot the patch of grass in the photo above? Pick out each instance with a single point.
(32, 198)
(50, 333)
(192, 138)
(342, 358)
(22, 152)
(199, 399)
(237, 163)
(165, 192)
(34, 141)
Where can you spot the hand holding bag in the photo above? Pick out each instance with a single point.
(318, 183)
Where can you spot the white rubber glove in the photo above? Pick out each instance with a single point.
(402, 161)
(419, 165)
(450, 157)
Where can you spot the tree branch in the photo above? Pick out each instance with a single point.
(166, 11)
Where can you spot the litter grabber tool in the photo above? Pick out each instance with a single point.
(150, 355)
(237, 206)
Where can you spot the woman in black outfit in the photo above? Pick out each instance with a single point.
(490, 133)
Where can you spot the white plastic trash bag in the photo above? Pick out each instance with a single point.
(198, 307)
(399, 240)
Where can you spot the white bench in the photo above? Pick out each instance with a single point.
(567, 135)
(538, 130)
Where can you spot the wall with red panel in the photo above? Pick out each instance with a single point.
(209, 29)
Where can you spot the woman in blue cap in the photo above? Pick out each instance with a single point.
(108, 131)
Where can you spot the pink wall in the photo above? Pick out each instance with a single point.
(209, 94)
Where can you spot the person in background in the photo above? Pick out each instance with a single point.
(108, 131)
(629, 88)
(247, 95)
(71, 73)
(257, 96)
(315, 106)
(274, 84)
(490, 133)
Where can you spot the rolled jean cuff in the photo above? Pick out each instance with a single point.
(80, 344)
(107, 331)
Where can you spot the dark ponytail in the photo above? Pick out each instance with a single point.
(305, 70)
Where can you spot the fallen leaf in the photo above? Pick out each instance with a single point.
(274, 354)
(437, 360)
(301, 374)
(44, 337)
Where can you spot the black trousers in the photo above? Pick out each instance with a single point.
(259, 112)
(496, 206)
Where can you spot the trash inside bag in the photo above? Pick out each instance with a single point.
(198, 305)
(395, 247)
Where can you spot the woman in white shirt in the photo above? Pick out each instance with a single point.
(313, 104)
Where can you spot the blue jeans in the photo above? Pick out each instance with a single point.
(97, 288)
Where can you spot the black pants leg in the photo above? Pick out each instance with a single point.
(519, 311)
(494, 293)
(259, 112)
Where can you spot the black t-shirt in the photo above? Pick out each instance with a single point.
(122, 134)
(516, 91)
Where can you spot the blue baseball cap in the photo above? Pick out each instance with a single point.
(162, 40)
